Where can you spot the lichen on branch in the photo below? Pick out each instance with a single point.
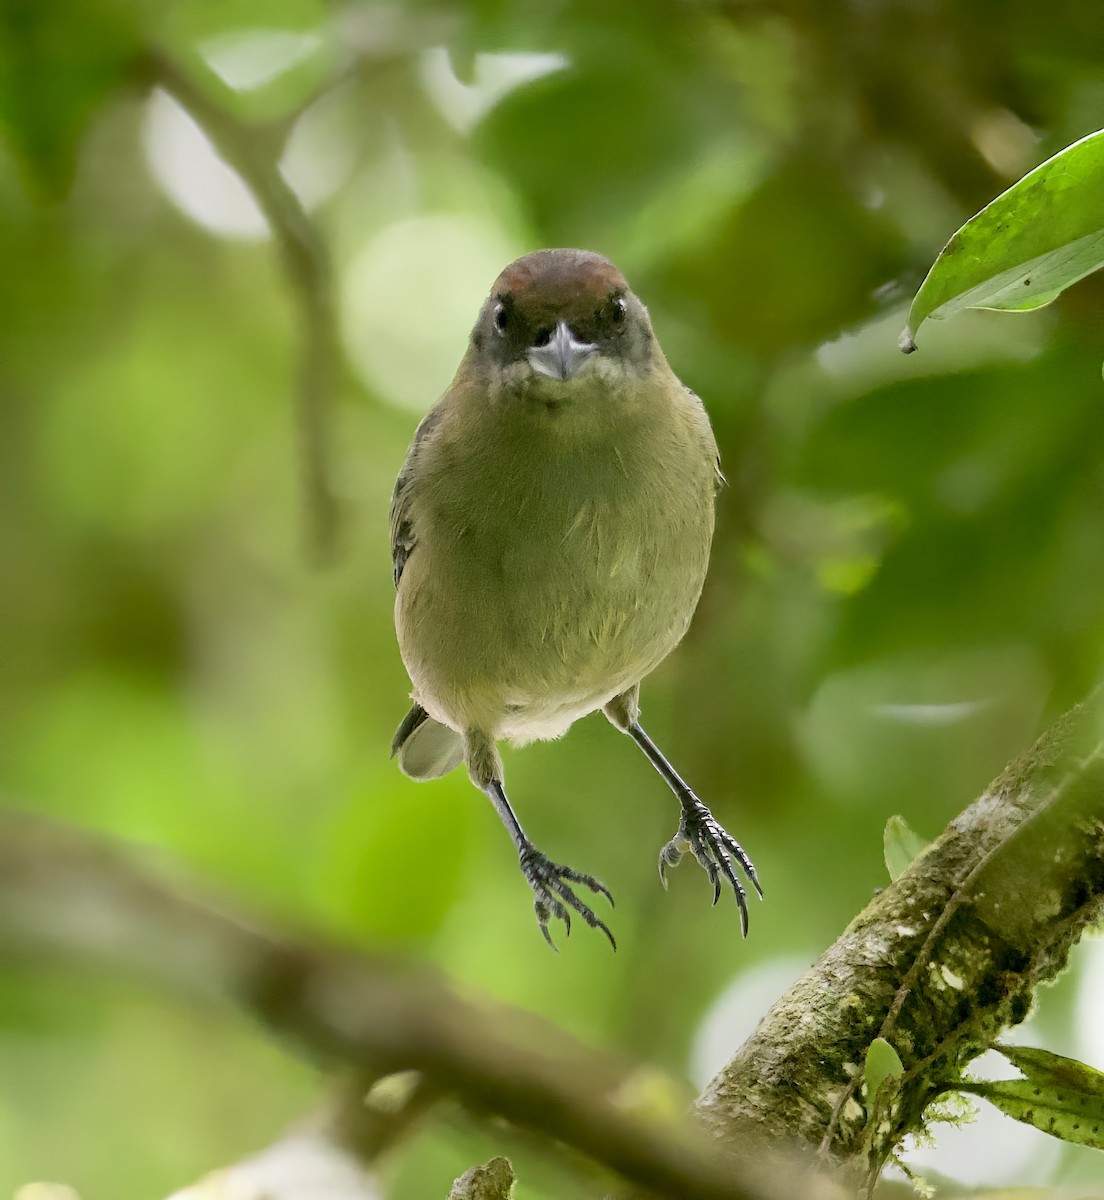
(937, 964)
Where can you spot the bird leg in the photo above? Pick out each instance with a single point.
(553, 897)
(699, 832)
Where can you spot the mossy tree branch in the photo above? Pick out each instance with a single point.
(937, 964)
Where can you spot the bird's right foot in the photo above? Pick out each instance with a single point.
(553, 897)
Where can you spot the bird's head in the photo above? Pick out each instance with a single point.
(555, 317)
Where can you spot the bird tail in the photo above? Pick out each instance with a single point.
(426, 748)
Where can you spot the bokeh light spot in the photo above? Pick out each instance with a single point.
(248, 58)
(192, 175)
(464, 105)
(410, 298)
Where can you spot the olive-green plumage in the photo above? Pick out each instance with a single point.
(552, 523)
(561, 531)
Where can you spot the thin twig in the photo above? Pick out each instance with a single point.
(307, 263)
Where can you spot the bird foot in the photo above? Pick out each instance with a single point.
(714, 848)
(554, 899)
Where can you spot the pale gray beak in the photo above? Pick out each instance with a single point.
(561, 356)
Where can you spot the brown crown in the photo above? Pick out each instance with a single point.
(559, 283)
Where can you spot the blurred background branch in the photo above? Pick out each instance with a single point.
(332, 1153)
(68, 899)
(306, 259)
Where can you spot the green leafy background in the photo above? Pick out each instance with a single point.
(906, 582)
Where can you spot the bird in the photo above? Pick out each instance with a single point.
(550, 534)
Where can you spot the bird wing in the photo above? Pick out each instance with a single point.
(719, 480)
(403, 538)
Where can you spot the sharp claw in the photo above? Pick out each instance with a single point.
(596, 922)
(588, 881)
(597, 887)
(669, 856)
(715, 850)
(737, 851)
(713, 876)
(553, 895)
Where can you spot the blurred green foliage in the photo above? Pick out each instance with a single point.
(907, 575)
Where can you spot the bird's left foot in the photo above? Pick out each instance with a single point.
(715, 848)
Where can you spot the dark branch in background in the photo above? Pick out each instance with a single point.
(67, 898)
(306, 261)
(937, 964)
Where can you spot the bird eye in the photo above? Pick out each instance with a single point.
(620, 308)
(499, 317)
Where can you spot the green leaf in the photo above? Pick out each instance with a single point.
(1026, 247)
(1042, 1066)
(1060, 1096)
(882, 1063)
(900, 846)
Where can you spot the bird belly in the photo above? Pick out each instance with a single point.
(519, 637)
